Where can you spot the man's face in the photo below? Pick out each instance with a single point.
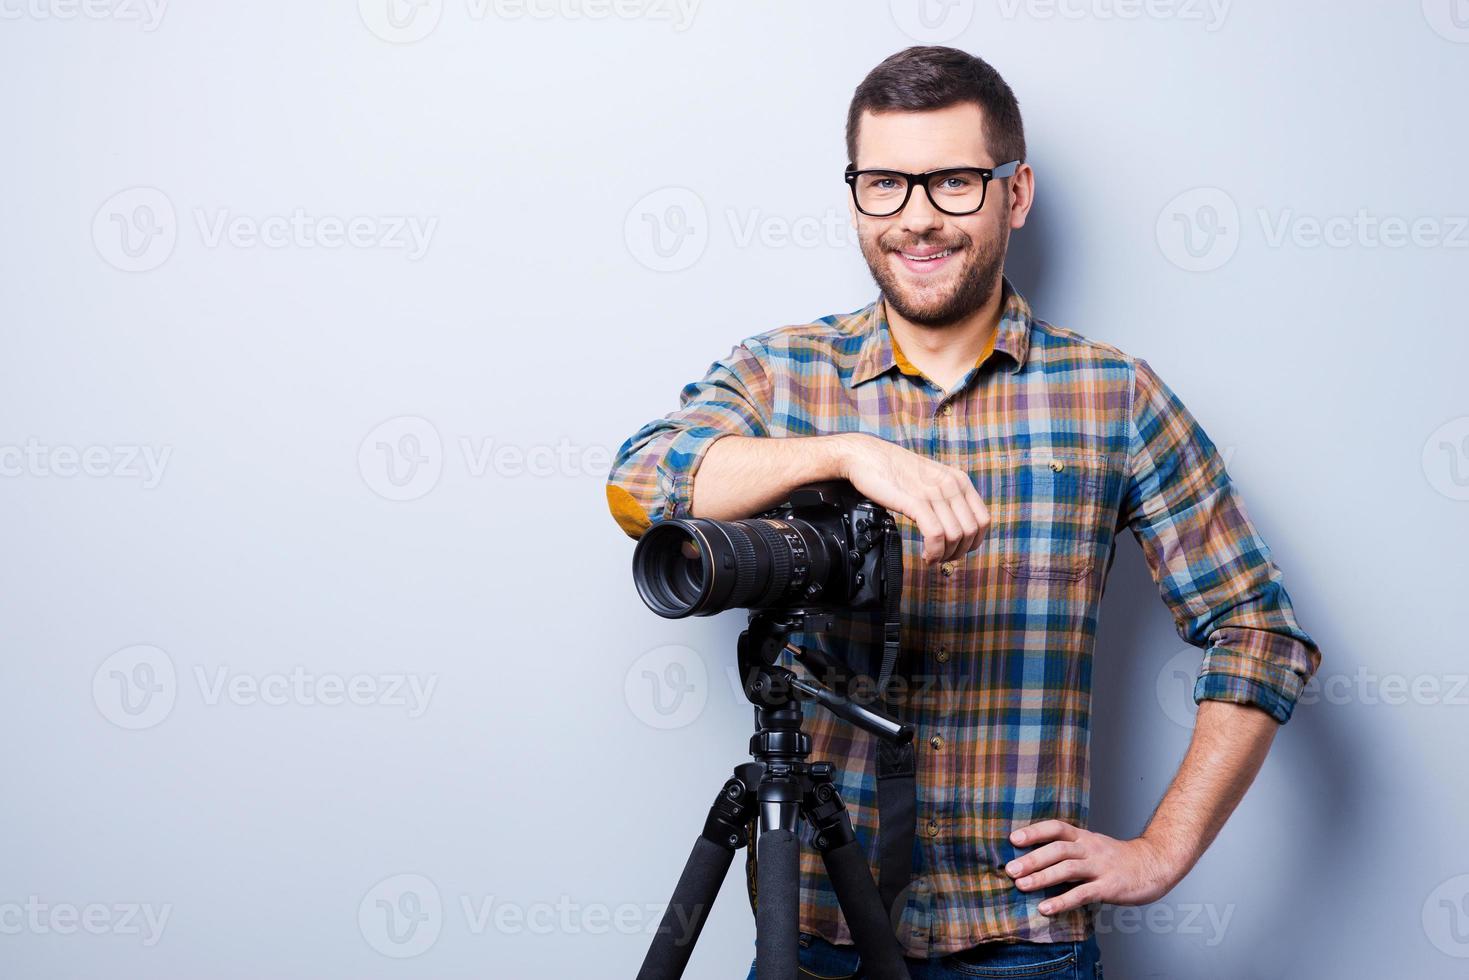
(935, 292)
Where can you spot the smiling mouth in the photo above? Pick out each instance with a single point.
(927, 258)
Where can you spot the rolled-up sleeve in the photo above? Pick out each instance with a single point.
(1212, 568)
(652, 475)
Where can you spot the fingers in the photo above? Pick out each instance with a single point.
(1044, 831)
(958, 508)
(953, 529)
(930, 528)
(1070, 870)
(1073, 899)
(1043, 857)
(972, 515)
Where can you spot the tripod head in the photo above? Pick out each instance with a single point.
(777, 691)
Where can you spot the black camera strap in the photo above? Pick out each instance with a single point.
(897, 818)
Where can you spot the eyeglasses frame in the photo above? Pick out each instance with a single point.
(986, 174)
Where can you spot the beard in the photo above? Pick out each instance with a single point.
(932, 304)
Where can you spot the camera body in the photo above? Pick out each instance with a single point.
(826, 547)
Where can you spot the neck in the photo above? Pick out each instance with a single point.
(946, 353)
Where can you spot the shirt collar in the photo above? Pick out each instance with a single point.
(879, 352)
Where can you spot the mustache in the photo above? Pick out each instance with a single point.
(910, 246)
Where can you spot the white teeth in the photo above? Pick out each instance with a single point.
(927, 258)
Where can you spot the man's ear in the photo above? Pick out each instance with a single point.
(1022, 194)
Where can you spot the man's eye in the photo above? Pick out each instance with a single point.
(958, 183)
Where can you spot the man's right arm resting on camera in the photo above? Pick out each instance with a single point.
(715, 457)
(744, 475)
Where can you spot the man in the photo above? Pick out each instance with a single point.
(1012, 453)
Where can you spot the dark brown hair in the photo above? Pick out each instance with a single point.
(934, 77)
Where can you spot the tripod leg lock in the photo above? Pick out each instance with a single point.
(825, 809)
(729, 817)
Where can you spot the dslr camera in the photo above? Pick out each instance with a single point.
(825, 549)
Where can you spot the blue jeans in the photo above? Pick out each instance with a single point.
(1020, 961)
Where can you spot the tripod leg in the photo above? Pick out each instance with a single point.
(851, 879)
(778, 875)
(698, 886)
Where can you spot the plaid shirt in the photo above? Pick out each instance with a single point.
(1068, 441)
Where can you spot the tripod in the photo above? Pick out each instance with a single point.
(782, 787)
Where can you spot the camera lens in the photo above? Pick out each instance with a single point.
(699, 567)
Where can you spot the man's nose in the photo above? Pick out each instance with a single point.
(919, 215)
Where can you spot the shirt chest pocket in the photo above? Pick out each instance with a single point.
(1046, 512)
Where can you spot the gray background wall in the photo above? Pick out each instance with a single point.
(321, 656)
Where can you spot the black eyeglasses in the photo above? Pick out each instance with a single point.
(955, 190)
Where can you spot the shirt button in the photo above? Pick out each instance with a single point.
(942, 655)
(1057, 466)
(947, 568)
(937, 742)
(933, 828)
(946, 411)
